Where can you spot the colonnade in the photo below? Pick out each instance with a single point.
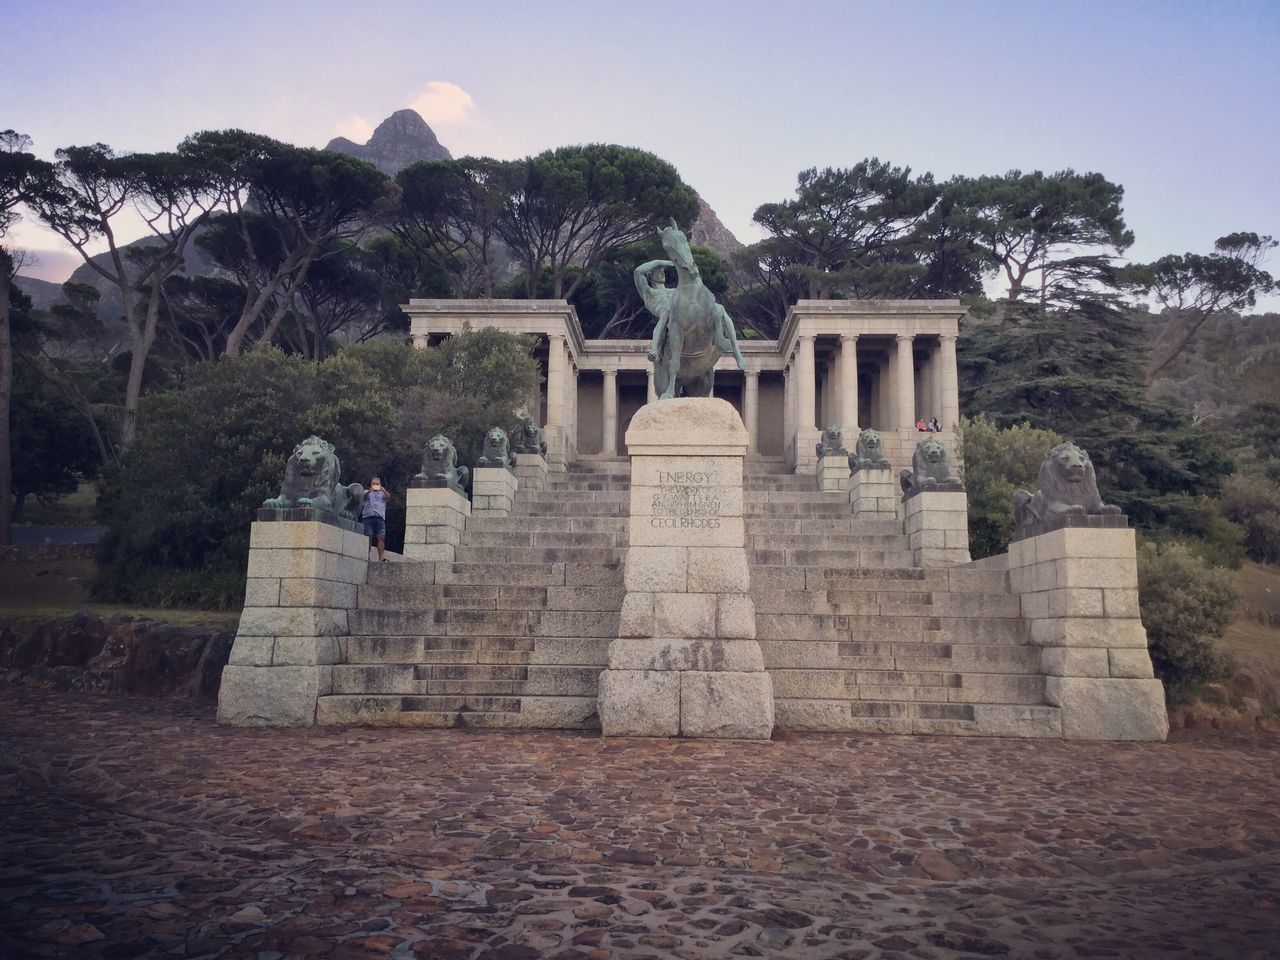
(854, 364)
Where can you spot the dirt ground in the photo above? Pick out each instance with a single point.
(140, 828)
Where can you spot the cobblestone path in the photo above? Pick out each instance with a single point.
(134, 828)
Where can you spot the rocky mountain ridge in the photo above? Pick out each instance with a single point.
(398, 141)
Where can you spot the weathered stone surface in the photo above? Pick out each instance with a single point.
(684, 614)
(639, 703)
(634, 653)
(656, 568)
(718, 570)
(705, 426)
(271, 696)
(736, 616)
(1109, 709)
(726, 705)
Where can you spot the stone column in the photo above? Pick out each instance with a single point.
(849, 388)
(419, 341)
(686, 661)
(889, 392)
(653, 393)
(555, 429)
(1079, 590)
(751, 409)
(905, 377)
(807, 375)
(788, 412)
(572, 447)
(950, 415)
(609, 444)
(936, 402)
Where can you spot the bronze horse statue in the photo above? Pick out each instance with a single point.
(693, 330)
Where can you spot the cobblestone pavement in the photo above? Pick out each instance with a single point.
(135, 828)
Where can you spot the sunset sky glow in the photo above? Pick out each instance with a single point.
(1177, 101)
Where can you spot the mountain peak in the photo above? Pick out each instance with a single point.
(401, 139)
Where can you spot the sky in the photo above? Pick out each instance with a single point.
(1179, 102)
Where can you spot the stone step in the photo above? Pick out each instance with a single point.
(488, 574)
(603, 539)
(870, 557)
(422, 597)
(539, 555)
(952, 719)
(757, 525)
(561, 712)
(532, 499)
(482, 623)
(908, 686)
(920, 655)
(893, 628)
(569, 507)
(519, 524)
(798, 496)
(542, 651)
(460, 679)
(784, 510)
(823, 540)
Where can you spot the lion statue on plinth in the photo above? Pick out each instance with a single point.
(440, 466)
(832, 443)
(530, 439)
(1068, 488)
(496, 451)
(311, 480)
(868, 452)
(930, 470)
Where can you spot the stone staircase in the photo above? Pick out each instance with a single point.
(513, 633)
(857, 638)
(516, 631)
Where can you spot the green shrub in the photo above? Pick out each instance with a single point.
(1253, 501)
(1186, 606)
(998, 461)
(209, 451)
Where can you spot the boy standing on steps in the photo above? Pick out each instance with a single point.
(374, 516)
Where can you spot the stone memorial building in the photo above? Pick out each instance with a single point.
(702, 566)
(853, 363)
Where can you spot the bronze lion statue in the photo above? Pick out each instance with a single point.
(1068, 488)
(440, 465)
(311, 480)
(530, 439)
(930, 469)
(868, 452)
(832, 443)
(496, 452)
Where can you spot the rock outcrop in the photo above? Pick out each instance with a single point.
(708, 231)
(400, 140)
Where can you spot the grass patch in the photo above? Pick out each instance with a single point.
(73, 510)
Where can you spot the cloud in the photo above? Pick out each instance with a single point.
(443, 103)
(355, 128)
(56, 266)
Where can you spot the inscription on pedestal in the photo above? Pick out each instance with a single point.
(686, 499)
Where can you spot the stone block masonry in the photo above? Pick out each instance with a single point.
(493, 491)
(937, 527)
(873, 495)
(303, 578)
(531, 471)
(833, 473)
(435, 520)
(1079, 591)
(686, 660)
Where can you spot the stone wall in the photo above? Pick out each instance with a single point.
(303, 579)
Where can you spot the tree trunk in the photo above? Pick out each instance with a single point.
(6, 391)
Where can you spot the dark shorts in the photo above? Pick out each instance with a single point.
(375, 526)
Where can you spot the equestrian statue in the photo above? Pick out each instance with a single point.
(693, 330)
